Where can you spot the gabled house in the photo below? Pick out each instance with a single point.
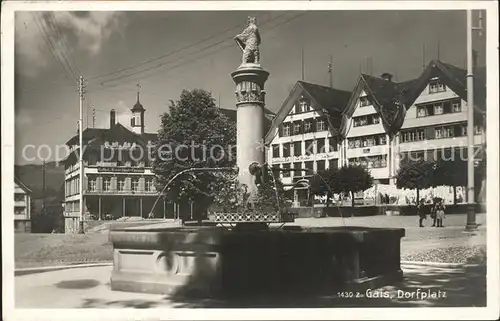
(374, 115)
(435, 124)
(306, 133)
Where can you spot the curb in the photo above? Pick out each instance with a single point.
(440, 264)
(25, 271)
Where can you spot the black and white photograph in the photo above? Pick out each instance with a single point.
(186, 159)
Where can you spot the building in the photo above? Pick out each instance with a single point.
(22, 207)
(306, 133)
(118, 181)
(118, 178)
(380, 124)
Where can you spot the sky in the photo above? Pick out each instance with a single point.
(166, 52)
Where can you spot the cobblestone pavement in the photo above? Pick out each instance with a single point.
(89, 288)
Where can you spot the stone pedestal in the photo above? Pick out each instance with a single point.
(250, 101)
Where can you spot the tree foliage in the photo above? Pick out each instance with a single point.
(269, 198)
(416, 175)
(322, 183)
(351, 179)
(194, 133)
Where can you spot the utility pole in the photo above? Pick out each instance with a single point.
(82, 172)
(471, 210)
(93, 118)
(330, 75)
(43, 187)
(302, 63)
(423, 56)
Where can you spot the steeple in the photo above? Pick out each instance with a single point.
(137, 121)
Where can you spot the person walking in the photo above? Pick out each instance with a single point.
(440, 213)
(421, 212)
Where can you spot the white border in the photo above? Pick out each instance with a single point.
(7, 135)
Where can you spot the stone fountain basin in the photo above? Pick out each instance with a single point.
(215, 261)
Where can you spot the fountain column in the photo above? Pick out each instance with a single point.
(250, 101)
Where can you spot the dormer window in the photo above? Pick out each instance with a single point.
(363, 101)
(436, 86)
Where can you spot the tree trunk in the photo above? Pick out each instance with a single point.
(352, 199)
(454, 195)
(418, 196)
(328, 199)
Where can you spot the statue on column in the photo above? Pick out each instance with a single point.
(249, 41)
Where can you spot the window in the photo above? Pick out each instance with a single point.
(421, 111)
(297, 166)
(286, 149)
(333, 163)
(420, 135)
(478, 130)
(296, 128)
(363, 101)
(309, 147)
(121, 184)
(307, 126)
(276, 151)
(135, 184)
(436, 86)
(463, 130)
(379, 161)
(286, 129)
(92, 185)
(456, 105)
(107, 184)
(320, 125)
(150, 186)
(382, 140)
(18, 197)
(366, 120)
(320, 145)
(438, 109)
(448, 132)
(310, 168)
(333, 144)
(297, 148)
(286, 172)
(303, 106)
(320, 165)
(439, 132)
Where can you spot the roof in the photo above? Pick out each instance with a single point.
(328, 98)
(453, 77)
(330, 101)
(22, 185)
(138, 106)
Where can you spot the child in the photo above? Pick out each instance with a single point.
(440, 213)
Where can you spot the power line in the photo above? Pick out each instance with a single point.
(50, 46)
(64, 45)
(168, 53)
(168, 62)
(187, 61)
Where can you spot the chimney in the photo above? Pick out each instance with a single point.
(112, 118)
(387, 76)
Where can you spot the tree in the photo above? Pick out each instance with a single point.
(194, 133)
(416, 175)
(322, 183)
(450, 173)
(351, 179)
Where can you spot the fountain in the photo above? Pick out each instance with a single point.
(251, 259)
